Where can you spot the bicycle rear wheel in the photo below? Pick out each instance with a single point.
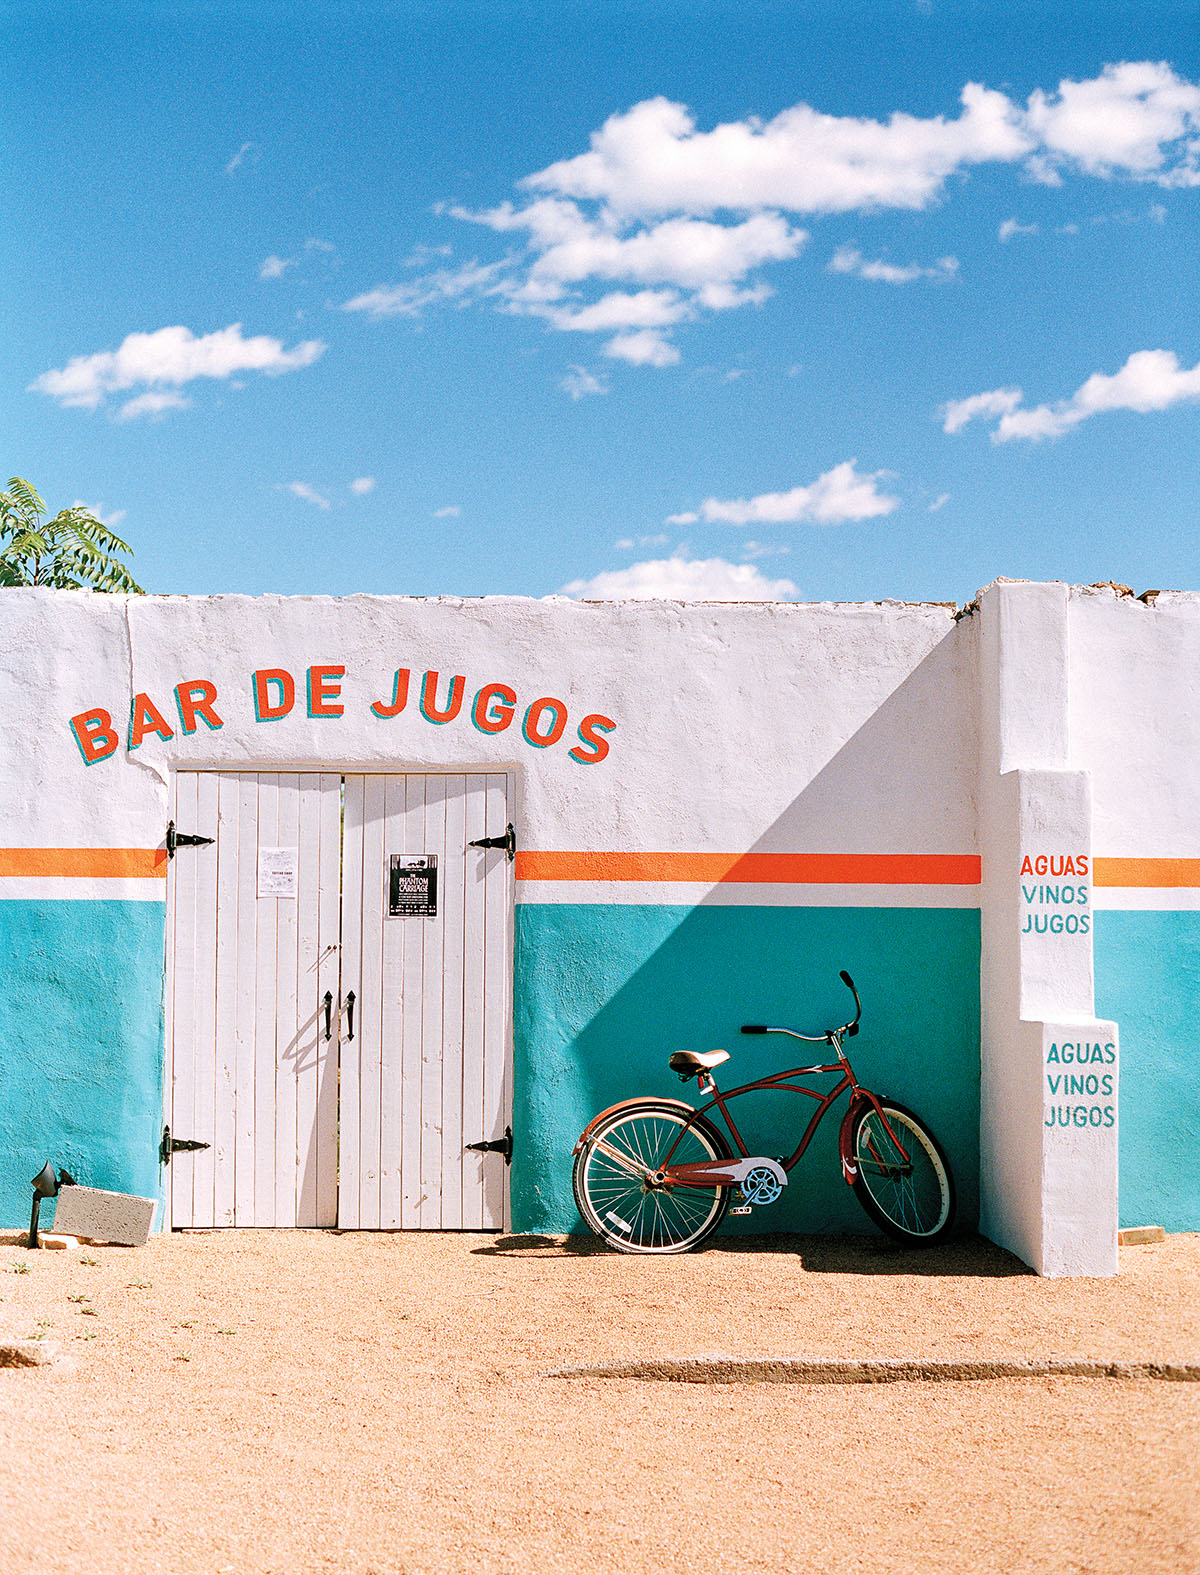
(913, 1201)
(611, 1179)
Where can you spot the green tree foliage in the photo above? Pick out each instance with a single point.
(66, 553)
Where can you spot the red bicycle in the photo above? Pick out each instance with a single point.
(656, 1175)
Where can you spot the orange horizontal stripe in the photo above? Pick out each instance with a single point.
(103, 863)
(1146, 872)
(796, 869)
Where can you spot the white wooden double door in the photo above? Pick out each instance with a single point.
(320, 1110)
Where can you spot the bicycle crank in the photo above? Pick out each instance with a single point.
(761, 1185)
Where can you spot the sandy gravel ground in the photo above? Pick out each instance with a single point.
(303, 1401)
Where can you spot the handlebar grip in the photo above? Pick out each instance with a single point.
(754, 1028)
(846, 979)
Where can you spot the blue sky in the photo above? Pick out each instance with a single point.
(811, 300)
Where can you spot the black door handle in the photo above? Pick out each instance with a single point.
(350, 999)
(327, 1003)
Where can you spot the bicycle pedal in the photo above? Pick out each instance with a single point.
(742, 1208)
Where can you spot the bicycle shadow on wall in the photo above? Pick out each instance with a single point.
(671, 978)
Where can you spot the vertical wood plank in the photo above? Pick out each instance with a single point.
(265, 1013)
(432, 930)
(411, 841)
(495, 1005)
(454, 1135)
(350, 1133)
(245, 1010)
(305, 1063)
(473, 999)
(205, 970)
(226, 994)
(286, 1041)
(370, 1028)
(329, 948)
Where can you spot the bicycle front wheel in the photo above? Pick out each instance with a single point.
(911, 1199)
(613, 1191)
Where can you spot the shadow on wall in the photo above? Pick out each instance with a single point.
(605, 992)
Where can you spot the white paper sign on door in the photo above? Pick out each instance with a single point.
(277, 872)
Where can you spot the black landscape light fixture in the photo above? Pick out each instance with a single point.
(45, 1186)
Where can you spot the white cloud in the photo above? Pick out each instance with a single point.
(579, 382)
(848, 259)
(316, 244)
(686, 518)
(683, 579)
(1137, 118)
(172, 356)
(1150, 380)
(840, 494)
(153, 405)
(302, 490)
(112, 519)
(996, 402)
(451, 511)
(445, 286)
(645, 348)
(275, 267)
(361, 485)
(1012, 227)
(646, 309)
(939, 502)
(652, 159)
(248, 150)
(762, 549)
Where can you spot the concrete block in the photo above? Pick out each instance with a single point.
(105, 1216)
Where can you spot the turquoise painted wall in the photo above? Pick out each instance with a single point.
(81, 1047)
(605, 993)
(1148, 982)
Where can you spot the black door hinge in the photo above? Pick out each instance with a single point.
(173, 1145)
(182, 839)
(497, 1146)
(508, 842)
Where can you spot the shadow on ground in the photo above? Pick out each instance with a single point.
(970, 1257)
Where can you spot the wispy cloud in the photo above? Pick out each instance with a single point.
(579, 383)
(848, 259)
(171, 356)
(445, 286)
(1150, 380)
(939, 502)
(838, 495)
(247, 151)
(154, 405)
(302, 490)
(450, 512)
(275, 267)
(631, 543)
(680, 578)
(1012, 227)
(361, 485)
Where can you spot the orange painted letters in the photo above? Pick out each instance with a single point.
(94, 734)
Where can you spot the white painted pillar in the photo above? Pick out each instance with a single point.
(1048, 1097)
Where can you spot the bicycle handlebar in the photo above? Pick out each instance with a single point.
(850, 1028)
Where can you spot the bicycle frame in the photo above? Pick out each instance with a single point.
(706, 1173)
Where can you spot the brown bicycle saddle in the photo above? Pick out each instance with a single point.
(689, 1062)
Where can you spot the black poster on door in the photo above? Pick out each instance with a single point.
(412, 886)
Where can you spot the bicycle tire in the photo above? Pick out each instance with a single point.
(618, 1208)
(917, 1208)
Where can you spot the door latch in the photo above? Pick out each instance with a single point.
(182, 839)
(496, 1146)
(173, 1145)
(508, 842)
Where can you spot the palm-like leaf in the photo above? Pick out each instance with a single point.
(68, 552)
